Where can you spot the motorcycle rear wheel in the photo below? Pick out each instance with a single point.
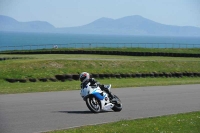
(118, 105)
(93, 104)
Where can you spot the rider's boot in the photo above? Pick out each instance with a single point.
(112, 97)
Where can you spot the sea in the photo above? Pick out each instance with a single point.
(30, 41)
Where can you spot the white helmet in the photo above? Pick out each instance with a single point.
(84, 76)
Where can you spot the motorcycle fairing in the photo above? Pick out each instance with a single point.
(98, 95)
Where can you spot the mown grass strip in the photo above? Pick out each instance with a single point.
(11, 88)
(178, 123)
(124, 49)
(46, 66)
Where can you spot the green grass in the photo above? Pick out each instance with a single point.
(177, 123)
(11, 88)
(44, 65)
(153, 50)
(48, 65)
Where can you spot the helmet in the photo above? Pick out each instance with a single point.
(84, 76)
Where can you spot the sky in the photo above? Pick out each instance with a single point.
(70, 13)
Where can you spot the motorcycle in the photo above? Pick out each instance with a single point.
(98, 100)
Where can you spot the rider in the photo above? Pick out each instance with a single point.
(85, 79)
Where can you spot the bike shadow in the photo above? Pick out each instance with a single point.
(80, 112)
(76, 112)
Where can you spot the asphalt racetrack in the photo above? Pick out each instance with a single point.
(38, 112)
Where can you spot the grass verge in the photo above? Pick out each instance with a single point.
(123, 49)
(12, 88)
(178, 123)
(47, 66)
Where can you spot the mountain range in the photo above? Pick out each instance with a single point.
(130, 25)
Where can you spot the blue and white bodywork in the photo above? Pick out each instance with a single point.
(95, 98)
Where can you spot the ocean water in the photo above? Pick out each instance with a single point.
(19, 41)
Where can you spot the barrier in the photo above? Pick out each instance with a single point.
(98, 45)
(70, 77)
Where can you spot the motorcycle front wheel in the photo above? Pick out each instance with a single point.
(93, 104)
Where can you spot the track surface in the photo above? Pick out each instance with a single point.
(37, 112)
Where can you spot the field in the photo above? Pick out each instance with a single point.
(48, 65)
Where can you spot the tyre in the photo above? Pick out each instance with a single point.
(93, 104)
(118, 105)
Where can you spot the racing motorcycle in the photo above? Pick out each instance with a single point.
(98, 100)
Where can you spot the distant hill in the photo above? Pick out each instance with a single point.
(10, 24)
(130, 25)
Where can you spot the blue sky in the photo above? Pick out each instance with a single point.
(69, 13)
